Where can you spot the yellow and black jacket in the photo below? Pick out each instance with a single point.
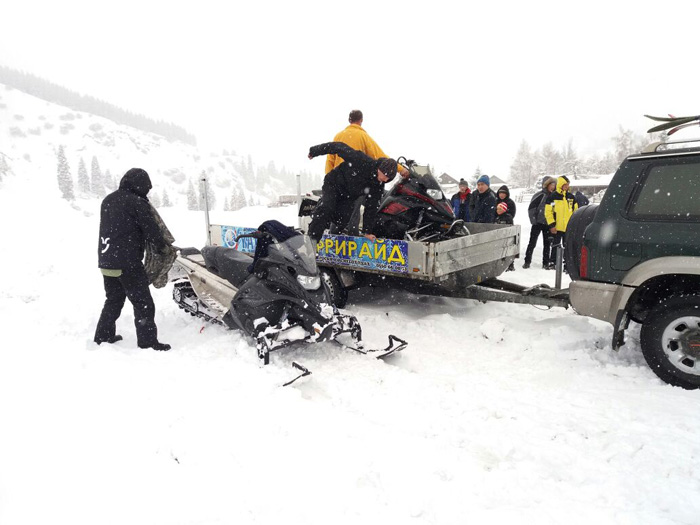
(560, 206)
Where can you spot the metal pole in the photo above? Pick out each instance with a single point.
(205, 192)
(559, 264)
(298, 197)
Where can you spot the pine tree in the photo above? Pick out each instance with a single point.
(96, 180)
(65, 181)
(166, 200)
(4, 167)
(549, 160)
(109, 183)
(522, 171)
(192, 203)
(83, 180)
(570, 161)
(227, 207)
(154, 200)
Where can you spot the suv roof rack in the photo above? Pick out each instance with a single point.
(655, 147)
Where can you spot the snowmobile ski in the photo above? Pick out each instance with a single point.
(304, 372)
(381, 353)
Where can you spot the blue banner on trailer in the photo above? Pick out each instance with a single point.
(229, 234)
(387, 255)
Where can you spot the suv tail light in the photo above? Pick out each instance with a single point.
(583, 265)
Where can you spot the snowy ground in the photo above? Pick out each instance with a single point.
(496, 413)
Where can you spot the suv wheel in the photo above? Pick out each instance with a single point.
(671, 341)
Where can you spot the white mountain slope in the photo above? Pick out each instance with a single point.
(32, 130)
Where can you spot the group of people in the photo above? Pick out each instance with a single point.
(549, 212)
(355, 167)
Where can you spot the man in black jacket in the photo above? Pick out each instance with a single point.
(127, 223)
(359, 176)
(483, 202)
(538, 226)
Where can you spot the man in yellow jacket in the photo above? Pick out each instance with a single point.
(357, 138)
(559, 207)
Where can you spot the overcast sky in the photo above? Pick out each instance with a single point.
(454, 84)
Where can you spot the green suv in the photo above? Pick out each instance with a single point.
(636, 257)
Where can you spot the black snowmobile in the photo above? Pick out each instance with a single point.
(276, 297)
(414, 209)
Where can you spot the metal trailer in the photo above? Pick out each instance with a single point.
(465, 267)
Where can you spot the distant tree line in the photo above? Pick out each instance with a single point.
(529, 165)
(96, 184)
(39, 87)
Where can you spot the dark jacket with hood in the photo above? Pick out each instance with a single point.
(508, 216)
(356, 177)
(127, 224)
(484, 206)
(535, 210)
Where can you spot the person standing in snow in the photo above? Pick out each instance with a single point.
(581, 199)
(357, 138)
(359, 176)
(483, 202)
(538, 224)
(460, 201)
(505, 206)
(127, 224)
(560, 206)
(505, 212)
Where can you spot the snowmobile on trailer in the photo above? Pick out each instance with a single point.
(414, 209)
(276, 297)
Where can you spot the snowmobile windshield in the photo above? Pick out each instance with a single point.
(425, 177)
(300, 251)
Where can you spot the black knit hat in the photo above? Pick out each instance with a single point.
(387, 167)
(463, 182)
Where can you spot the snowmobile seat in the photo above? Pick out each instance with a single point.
(228, 263)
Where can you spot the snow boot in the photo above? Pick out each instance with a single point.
(161, 347)
(109, 340)
(526, 266)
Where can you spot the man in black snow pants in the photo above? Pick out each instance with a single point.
(359, 176)
(126, 224)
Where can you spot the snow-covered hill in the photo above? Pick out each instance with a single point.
(32, 130)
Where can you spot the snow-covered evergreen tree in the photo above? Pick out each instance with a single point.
(83, 180)
(154, 199)
(549, 160)
(65, 180)
(166, 200)
(192, 199)
(227, 206)
(108, 181)
(569, 161)
(522, 171)
(96, 180)
(4, 167)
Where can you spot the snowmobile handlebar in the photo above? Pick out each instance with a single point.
(254, 235)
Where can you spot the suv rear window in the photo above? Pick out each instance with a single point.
(668, 192)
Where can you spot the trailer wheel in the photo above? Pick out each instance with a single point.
(671, 341)
(338, 294)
